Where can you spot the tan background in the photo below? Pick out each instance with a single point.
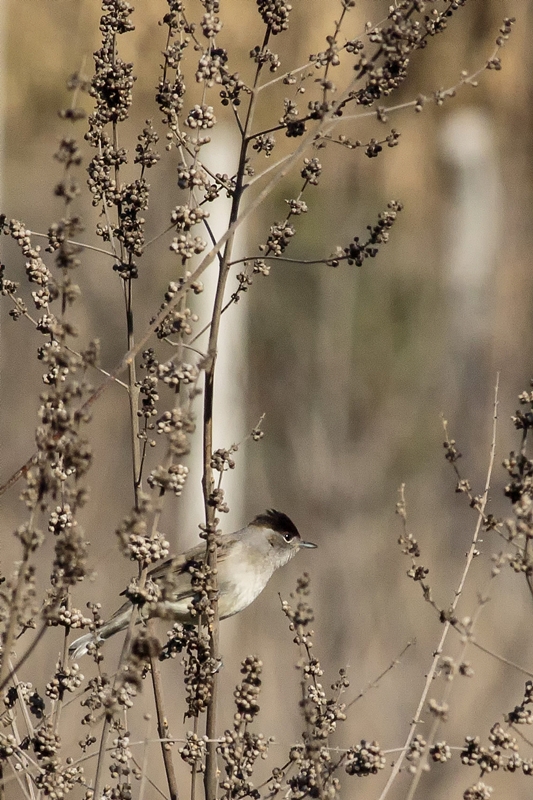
(352, 367)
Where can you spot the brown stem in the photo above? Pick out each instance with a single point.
(133, 391)
(162, 728)
(25, 657)
(283, 168)
(107, 719)
(194, 768)
(458, 592)
(211, 778)
(9, 636)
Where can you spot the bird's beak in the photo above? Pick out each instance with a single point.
(308, 544)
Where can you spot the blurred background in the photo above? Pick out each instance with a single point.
(354, 368)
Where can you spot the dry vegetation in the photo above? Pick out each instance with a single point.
(131, 356)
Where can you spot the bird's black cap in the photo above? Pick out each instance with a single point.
(277, 521)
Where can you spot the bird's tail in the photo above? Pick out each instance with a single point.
(118, 622)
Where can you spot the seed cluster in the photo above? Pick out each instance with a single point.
(365, 759)
(66, 679)
(240, 747)
(198, 87)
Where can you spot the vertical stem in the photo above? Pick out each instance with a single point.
(210, 778)
(133, 394)
(208, 484)
(194, 769)
(162, 729)
(458, 592)
(9, 638)
(128, 298)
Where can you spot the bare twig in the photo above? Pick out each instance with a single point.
(162, 727)
(501, 658)
(447, 625)
(22, 660)
(285, 165)
(375, 683)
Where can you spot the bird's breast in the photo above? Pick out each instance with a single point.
(238, 588)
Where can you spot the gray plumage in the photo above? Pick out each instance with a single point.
(246, 560)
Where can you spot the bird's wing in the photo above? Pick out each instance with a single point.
(175, 566)
(123, 608)
(180, 564)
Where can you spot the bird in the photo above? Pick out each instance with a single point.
(246, 560)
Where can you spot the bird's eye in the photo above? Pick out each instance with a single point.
(288, 537)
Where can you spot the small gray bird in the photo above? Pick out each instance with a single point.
(246, 561)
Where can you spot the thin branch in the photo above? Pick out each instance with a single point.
(148, 779)
(268, 169)
(162, 726)
(24, 759)
(375, 683)
(158, 236)
(289, 260)
(133, 395)
(208, 484)
(447, 625)
(8, 637)
(98, 369)
(422, 99)
(25, 657)
(83, 245)
(368, 29)
(207, 260)
(501, 659)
